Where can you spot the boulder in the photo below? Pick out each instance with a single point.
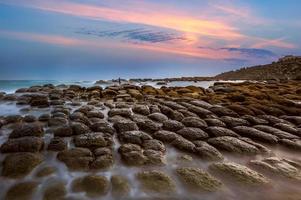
(95, 114)
(141, 109)
(277, 132)
(45, 171)
(276, 167)
(165, 136)
(215, 122)
(124, 112)
(153, 144)
(233, 121)
(57, 121)
(172, 125)
(291, 144)
(288, 128)
(216, 131)
(18, 165)
(90, 140)
(79, 128)
(103, 161)
(120, 186)
(255, 134)
(206, 151)
(191, 133)
(149, 126)
(194, 122)
(155, 181)
(125, 125)
(134, 137)
(103, 126)
(223, 111)
(233, 145)
(255, 120)
(183, 144)
(27, 130)
(238, 174)
(23, 190)
(24, 144)
(76, 158)
(56, 190)
(93, 185)
(132, 154)
(63, 131)
(158, 117)
(57, 144)
(197, 180)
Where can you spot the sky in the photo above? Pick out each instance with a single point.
(105, 39)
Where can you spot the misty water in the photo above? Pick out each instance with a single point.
(278, 187)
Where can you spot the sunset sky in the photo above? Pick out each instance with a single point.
(105, 39)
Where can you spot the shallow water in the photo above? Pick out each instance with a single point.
(278, 188)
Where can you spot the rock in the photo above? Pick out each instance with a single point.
(96, 114)
(44, 117)
(172, 125)
(200, 103)
(255, 120)
(232, 121)
(240, 109)
(124, 112)
(23, 190)
(13, 119)
(233, 145)
(120, 186)
(18, 165)
(201, 112)
(103, 127)
(223, 111)
(57, 121)
(274, 166)
(197, 180)
(90, 140)
(194, 122)
(132, 154)
(291, 144)
(255, 134)
(46, 171)
(134, 137)
(57, 144)
(215, 131)
(93, 185)
(79, 128)
(63, 131)
(154, 145)
(192, 133)
(55, 190)
(206, 151)
(274, 131)
(103, 162)
(183, 144)
(288, 128)
(125, 125)
(149, 126)
(165, 136)
(27, 130)
(238, 174)
(272, 119)
(141, 109)
(24, 144)
(154, 157)
(135, 94)
(158, 117)
(76, 158)
(30, 118)
(293, 119)
(155, 181)
(214, 122)
(39, 100)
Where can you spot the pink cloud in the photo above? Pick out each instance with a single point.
(263, 43)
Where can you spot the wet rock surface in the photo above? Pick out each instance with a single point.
(134, 142)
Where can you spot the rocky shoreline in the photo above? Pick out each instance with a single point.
(131, 142)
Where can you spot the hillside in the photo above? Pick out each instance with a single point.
(286, 68)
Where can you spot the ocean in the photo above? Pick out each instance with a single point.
(10, 86)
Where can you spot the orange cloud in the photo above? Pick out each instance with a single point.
(179, 49)
(175, 20)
